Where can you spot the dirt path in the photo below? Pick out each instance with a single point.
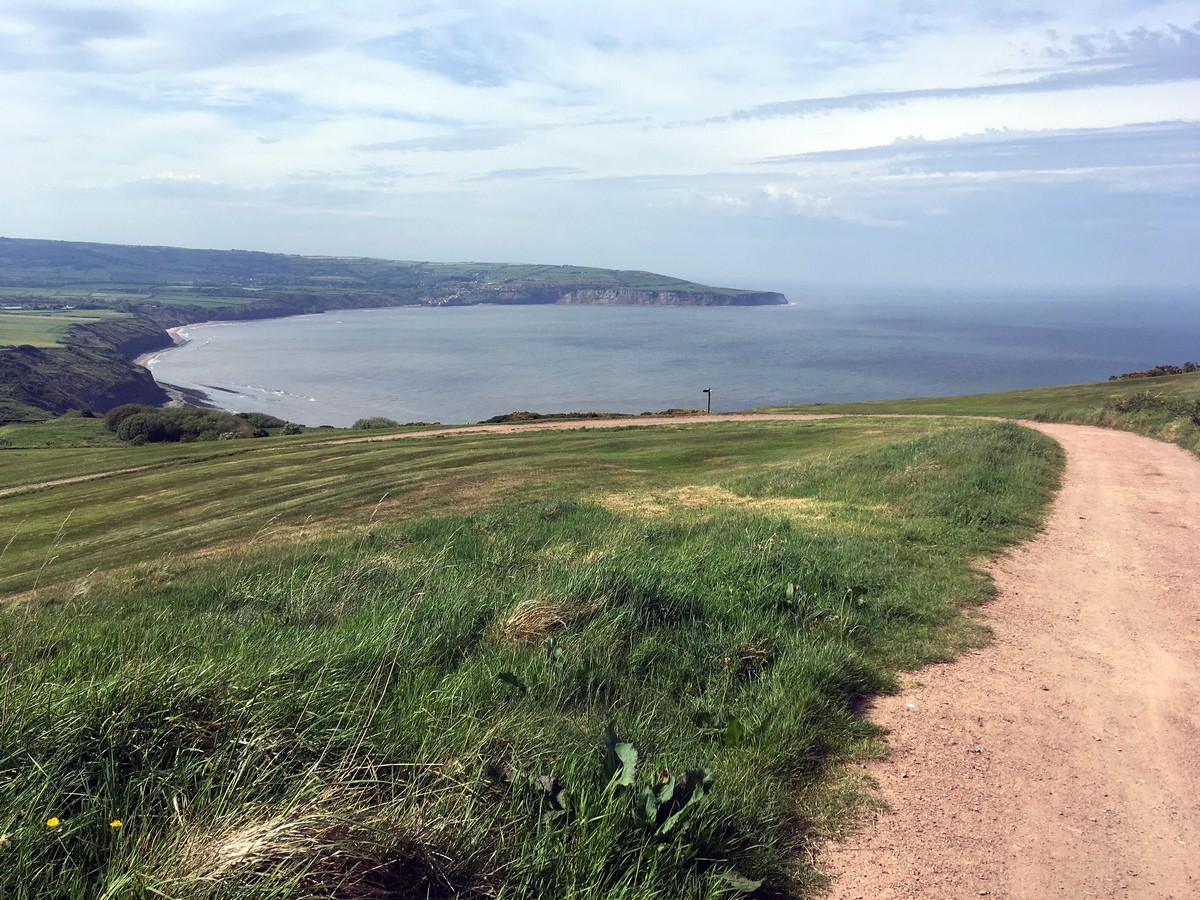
(1062, 761)
(573, 424)
(74, 479)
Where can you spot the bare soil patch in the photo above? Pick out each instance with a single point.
(573, 424)
(1064, 759)
(704, 498)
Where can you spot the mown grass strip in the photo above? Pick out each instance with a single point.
(202, 495)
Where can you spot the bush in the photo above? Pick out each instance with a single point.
(1139, 401)
(141, 424)
(118, 414)
(375, 422)
(293, 428)
(149, 427)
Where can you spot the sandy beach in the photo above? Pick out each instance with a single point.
(177, 339)
(180, 396)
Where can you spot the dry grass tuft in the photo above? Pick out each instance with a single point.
(753, 659)
(311, 855)
(705, 498)
(532, 619)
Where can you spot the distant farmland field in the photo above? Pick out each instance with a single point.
(43, 328)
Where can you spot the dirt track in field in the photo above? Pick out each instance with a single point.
(1063, 760)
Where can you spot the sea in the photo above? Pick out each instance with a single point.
(466, 364)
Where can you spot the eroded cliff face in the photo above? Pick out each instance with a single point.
(631, 297)
(54, 380)
(523, 294)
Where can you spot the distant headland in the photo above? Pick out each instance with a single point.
(74, 315)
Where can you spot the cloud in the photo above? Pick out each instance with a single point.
(103, 40)
(71, 27)
(1136, 58)
(1094, 150)
(529, 129)
(819, 206)
(175, 187)
(237, 103)
(474, 139)
(472, 53)
(530, 172)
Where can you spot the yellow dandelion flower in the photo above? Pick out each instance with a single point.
(52, 822)
(115, 823)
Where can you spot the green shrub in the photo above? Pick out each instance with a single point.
(141, 424)
(375, 422)
(149, 427)
(118, 414)
(1139, 401)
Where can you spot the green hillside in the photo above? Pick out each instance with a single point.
(142, 279)
(1165, 407)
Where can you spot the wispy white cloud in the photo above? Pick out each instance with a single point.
(453, 142)
(1136, 146)
(1136, 58)
(529, 172)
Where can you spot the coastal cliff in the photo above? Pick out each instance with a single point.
(624, 296)
(55, 380)
(627, 297)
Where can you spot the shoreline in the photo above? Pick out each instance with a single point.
(175, 333)
(191, 396)
(177, 396)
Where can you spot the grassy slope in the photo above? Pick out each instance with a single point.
(1164, 407)
(375, 706)
(199, 495)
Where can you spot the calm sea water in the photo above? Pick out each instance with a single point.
(467, 364)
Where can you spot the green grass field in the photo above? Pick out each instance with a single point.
(43, 328)
(194, 496)
(290, 668)
(583, 664)
(108, 300)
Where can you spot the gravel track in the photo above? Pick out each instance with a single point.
(1063, 760)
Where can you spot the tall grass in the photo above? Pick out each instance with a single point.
(540, 699)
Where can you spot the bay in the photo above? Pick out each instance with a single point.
(465, 364)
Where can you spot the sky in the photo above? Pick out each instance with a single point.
(760, 143)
